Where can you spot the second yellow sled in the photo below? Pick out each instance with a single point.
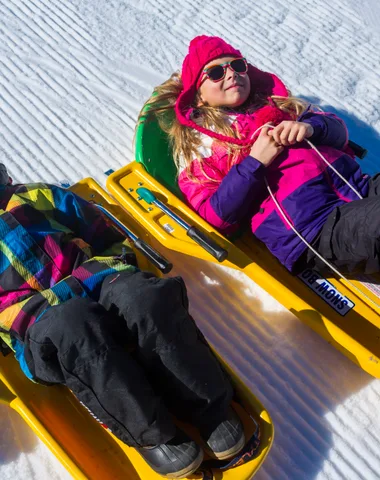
(83, 446)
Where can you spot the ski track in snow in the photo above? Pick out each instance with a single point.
(73, 76)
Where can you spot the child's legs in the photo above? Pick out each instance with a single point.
(170, 346)
(374, 186)
(350, 238)
(75, 344)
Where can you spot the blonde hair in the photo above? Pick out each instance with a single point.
(185, 141)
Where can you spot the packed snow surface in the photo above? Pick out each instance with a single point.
(73, 76)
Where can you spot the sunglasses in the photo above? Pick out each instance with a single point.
(216, 73)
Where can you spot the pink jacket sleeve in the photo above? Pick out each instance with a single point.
(223, 200)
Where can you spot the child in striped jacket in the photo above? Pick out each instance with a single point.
(77, 313)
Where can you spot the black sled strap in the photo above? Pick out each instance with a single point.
(359, 151)
(4, 349)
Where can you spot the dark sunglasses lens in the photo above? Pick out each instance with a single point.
(216, 73)
(239, 65)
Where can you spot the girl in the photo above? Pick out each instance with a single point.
(240, 144)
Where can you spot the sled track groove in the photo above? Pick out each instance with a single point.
(73, 76)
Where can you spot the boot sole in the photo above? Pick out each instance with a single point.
(227, 454)
(189, 469)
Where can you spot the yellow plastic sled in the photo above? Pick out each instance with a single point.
(346, 314)
(83, 446)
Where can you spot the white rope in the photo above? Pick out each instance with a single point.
(314, 251)
(279, 208)
(333, 168)
(320, 154)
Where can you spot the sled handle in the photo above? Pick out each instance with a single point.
(201, 238)
(155, 257)
(359, 151)
(149, 252)
(207, 243)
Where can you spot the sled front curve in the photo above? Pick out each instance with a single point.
(352, 327)
(83, 446)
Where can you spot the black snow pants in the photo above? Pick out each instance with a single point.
(350, 238)
(131, 358)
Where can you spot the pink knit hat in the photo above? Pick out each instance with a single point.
(203, 49)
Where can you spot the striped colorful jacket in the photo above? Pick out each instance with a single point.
(53, 246)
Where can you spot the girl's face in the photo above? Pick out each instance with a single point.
(232, 91)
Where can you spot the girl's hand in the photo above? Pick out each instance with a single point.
(291, 132)
(266, 148)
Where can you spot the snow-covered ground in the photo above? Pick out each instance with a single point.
(73, 75)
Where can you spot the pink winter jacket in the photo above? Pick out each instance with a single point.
(305, 187)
